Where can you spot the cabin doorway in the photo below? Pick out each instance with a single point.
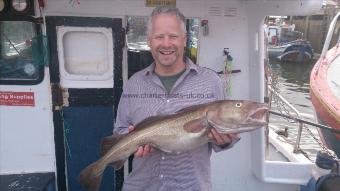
(86, 81)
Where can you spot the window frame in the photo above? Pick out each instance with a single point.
(40, 68)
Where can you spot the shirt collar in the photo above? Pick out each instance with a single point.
(189, 65)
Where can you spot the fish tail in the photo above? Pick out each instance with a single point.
(89, 179)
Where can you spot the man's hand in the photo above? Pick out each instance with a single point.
(142, 150)
(222, 139)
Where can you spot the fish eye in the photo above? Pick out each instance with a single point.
(238, 104)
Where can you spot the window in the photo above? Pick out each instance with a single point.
(21, 57)
(137, 33)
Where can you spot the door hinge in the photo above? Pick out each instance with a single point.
(59, 97)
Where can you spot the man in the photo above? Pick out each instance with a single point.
(166, 86)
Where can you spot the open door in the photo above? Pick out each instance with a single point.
(86, 81)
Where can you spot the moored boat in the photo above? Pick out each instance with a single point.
(325, 90)
(287, 45)
(297, 51)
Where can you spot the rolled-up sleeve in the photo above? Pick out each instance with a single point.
(221, 88)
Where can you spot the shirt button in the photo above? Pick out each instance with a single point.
(161, 176)
(163, 157)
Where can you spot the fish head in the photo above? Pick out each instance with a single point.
(236, 116)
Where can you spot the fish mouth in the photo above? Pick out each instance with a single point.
(257, 117)
(254, 120)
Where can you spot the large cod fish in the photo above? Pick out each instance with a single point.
(185, 130)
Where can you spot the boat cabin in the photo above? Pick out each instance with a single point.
(63, 65)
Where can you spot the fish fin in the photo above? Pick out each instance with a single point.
(150, 120)
(158, 147)
(196, 125)
(118, 164)
(153, 119)
(109, 141)
(89, 180)
(191, 108)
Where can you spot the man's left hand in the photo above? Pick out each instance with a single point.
(222, 139)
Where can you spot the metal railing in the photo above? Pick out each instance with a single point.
(297, 143)
(302, 123)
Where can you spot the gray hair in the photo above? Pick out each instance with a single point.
(170, 10)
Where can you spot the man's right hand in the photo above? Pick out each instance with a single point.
(142, 150)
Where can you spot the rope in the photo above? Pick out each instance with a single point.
(228, 62)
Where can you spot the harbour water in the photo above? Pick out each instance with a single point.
(292, 82)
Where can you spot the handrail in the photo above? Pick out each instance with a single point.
(329, 36)
(297, 143)
(321, 126)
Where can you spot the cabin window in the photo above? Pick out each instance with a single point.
(272, 33)
(138, 54)
(137, 33)
(19, 53)
(86, 63)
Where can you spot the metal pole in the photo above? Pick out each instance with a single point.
(337, 131)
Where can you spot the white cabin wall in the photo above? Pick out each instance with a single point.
(26, 132)
(232, 170)
(224, 31)
(97, 8)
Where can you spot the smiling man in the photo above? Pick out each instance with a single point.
(176, 83)
(167, 39)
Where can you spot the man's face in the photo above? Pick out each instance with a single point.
(167, 40)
